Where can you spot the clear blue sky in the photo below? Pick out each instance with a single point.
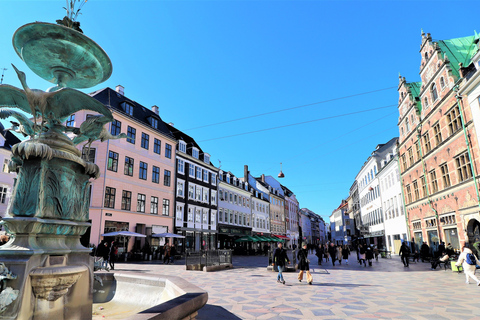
(204, 62)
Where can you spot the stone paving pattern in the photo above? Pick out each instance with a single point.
(386, 290)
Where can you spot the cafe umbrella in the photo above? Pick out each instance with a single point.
(124, 234)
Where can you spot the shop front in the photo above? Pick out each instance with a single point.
(228, 234)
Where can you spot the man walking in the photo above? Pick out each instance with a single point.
(404, 253)
(280, 259)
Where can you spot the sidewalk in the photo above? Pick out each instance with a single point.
(386, 290)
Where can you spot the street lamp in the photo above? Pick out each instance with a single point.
(281, 175)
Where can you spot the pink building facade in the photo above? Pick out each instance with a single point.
(135, 190)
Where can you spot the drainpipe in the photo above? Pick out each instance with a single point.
(419, 130)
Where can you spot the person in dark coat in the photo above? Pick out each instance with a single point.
(112, 256)
(404, 253)
(346, 253)
(369, 255)
(332, 252)
(424, 251)
(319, 254)
(304, 264)
(280, 259)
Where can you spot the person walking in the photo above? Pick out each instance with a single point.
(369, 254)
(304, 264)
(325, 252)
(319, 254)
(112, 256)
(166, 257)
(404, 254)
(280, 259)
(339, 254)
(376, 252)
(345, 253)
(332, 252)
(469, 262)
(361, 255)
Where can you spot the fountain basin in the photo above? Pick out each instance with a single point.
(142, 296)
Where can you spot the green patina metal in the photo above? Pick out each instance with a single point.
(415, 91)
(459, 50)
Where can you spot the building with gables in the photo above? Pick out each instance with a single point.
(7, 140)
(438, 144)
(291, 212)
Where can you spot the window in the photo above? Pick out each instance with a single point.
(453, 120)
(438, 134)
(442, 83)
(424, 186)
(109, 197)
(154, 123)
(407, 125)
(415, 190)
(205, 195)
(155, 174)
(191, 170)
(71, 120)
(214, 179)
(142, 172)
(445, 175)
(3, 194)
(433, 178)
(91, 155)
(182, 146)
(464, 170)
(112, 161)
(214, 197)
(199, 173)
(166, 207)
(179, 213)
(417, 149)
(166, 178)
(198, 194)
(191, 192)
(206, 158)
(195, 153)
(128, 108)
(141, 202)
(145, 140)
(128, 166)
(131, 132)
(433, 92)
(154, 205)
(180, 187)
(168, 151)
(410, 156)
(115, 128)
(404, 162)
(425, 102)
(181, 166)
(126, 200)
(409, 194)
(205, 175)
(190, 214)
(157, 145)
(426, 142)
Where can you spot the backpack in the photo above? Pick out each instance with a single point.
(470, 259)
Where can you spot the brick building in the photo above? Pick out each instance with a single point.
(437, 162)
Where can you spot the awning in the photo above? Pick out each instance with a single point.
(247, 239)
(281, 237)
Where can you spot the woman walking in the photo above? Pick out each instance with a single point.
(345, 253)
(304, 264)
(339, 254)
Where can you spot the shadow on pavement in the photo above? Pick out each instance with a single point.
(215, 312)
(344, 285)
(131, 270)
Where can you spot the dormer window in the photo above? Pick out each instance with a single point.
(228, 178)
(195, 153)
(128, 108)
(182, 146)
(154, 122)
(206, 158)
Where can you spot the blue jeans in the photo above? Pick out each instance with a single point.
(280, 270)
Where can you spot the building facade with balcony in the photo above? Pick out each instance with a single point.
(438, 145)
(291, 212)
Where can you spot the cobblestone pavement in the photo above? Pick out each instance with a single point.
(386, 290)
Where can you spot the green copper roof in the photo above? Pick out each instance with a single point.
(415, 90)
(459, 50)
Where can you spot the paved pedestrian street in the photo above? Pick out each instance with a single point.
(386, 290)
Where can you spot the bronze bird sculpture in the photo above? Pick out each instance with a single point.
(54, 106)
(23, 126)
(94, 129)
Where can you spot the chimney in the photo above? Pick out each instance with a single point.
(155, 109)
(263, 178)
(245, 172)
(120, 89)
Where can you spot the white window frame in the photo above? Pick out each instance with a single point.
(195, 152)
(182, 146)
(191, 170)
(206, 158)
(181, 166)
(179, 209)
(181, 183)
